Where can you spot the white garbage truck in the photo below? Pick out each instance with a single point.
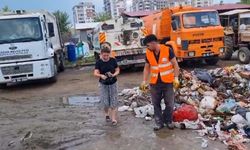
(30, 47)
(126, 37)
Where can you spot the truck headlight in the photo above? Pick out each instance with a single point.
(178, 41)
(191, 54)
(222, 49)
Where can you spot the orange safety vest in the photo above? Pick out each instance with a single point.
(164, 67)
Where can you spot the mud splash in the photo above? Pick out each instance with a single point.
(81, 100)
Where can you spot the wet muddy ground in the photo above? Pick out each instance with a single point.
(39, 115)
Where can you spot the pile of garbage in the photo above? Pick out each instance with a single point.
(215, 102)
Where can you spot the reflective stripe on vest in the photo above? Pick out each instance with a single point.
(167, 72)
(154, 67)
(154, 74)
(163, 67)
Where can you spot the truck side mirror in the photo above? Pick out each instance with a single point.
(51, 30)
(174, 25)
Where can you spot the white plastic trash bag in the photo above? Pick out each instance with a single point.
(208, 102)
(142, 112)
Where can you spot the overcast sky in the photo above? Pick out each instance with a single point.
(64, 5)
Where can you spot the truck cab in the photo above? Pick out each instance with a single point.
(194, 34)
(197, 34)
(30, 47)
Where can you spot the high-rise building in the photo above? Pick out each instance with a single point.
(173, 3)
(107, 6)
(150, 5)
(84, 12)
(114, 8)
(144, 5)
(202, 3)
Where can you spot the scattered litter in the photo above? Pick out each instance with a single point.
(203, 75)
(123, 108)
(147, 118)
(185, 112)
(27, 136)
(215, 103)
(186, 124)
(208, 102)
(11, 143)
(227, 106)
(142, 112)
(204, 144)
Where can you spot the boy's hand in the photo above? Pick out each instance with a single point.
(103, 77)
(110, 74)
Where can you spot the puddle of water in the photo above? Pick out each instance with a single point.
(81, 100)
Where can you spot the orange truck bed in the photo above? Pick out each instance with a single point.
(160, 23)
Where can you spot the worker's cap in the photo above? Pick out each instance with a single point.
(150, 38)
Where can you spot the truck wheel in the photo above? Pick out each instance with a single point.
(228, 40)
(244, 55)
(53, 79)
(61, 66)
(3, 85)
(212, 61)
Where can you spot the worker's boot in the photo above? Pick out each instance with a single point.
(158, 127)
(170, 126)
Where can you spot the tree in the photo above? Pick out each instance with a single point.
(100, 17)
(245, 1)
(63, 21)
(6, 9)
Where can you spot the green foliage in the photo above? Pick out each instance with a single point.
(63, 21)
(245, 1)
(100, 17)
(6, 9)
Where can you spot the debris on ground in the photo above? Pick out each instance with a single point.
(216, 102)
(27, 136)
(204, 143)
(185, 112)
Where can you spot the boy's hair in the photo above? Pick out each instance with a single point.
(150, 38)
(105, 50)
(106, 43)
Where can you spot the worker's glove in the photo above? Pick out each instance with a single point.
(144, 86)
(176, 83)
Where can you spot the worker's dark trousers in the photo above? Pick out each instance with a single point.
(158, 92)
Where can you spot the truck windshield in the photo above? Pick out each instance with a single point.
(20, 30)
(200, 19)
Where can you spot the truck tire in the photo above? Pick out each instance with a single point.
(212, 61)
(3, 85)
(53, 79)
(61, 66)
(244, 55)
(228, 40)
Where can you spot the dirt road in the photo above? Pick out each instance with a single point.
(42, 110)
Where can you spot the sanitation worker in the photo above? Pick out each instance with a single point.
(162, 71)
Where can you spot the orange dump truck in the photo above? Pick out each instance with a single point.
(192, 33)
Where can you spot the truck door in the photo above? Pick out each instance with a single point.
(175, 33)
